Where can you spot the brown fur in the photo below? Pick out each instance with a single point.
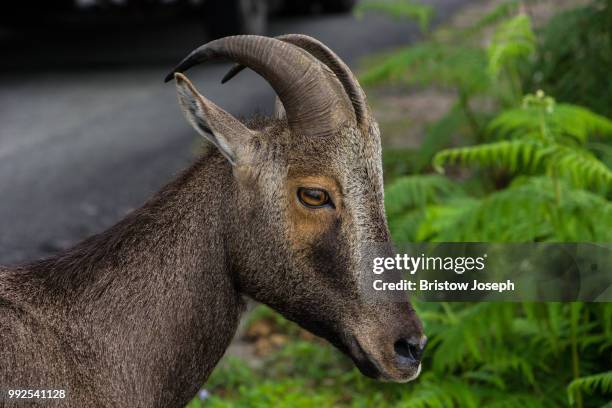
(125, 318)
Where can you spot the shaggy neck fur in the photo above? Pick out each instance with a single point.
(136, 316)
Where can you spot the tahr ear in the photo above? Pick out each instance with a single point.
(216, 125)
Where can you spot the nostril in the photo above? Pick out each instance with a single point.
(408, 349)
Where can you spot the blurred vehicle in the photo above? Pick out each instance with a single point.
(219, 17)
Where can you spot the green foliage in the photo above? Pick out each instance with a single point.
(400, 9)
(575, 56)
(455, 60)
(542, 117)
(542, 137)
(481, 354)
(529, 210)
(431, 64)
(416, 191)
(511, 44)
(500, 12)
(408, 195)
(590, 384)
(401, 161)
(540, 172)
(455, 124)
(538, 138)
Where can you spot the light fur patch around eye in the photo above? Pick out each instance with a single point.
(307, 225)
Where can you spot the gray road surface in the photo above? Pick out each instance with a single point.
(88, 130)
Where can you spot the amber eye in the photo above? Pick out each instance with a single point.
(314, 197)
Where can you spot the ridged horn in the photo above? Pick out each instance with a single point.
(312, 96)
(324, 54)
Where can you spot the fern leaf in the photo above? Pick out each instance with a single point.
(439, 392)
(417, 191)
(580, 166)
(563, 121)
(405, 227)
(597, 382)
(517, 400)
(526, 211)
(513, 155)
(512, 42)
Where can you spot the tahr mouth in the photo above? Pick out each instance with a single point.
(372, 367)
(364, 361)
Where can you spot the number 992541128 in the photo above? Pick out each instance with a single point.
(32, 394)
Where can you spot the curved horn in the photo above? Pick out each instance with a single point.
(321, 52)
(310, 93)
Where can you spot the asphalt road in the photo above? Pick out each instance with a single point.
(88, 129)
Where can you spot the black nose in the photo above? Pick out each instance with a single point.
(410, 350)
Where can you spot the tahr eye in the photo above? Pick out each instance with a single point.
(314, 197)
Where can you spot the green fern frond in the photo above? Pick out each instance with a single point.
(404, 227)
(487, 377)
(477, 328)
(514, 155)
(601, 382)
(528, 210)
(516, 362)
(562, 121)
(433, 396)
(406, 197)
(440, 219)
(418, 190)
(579, 166)
(512, 42)
(438, 392)
(602, 151)
(517, 400)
